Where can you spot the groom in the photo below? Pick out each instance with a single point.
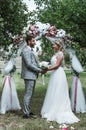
(30, 71)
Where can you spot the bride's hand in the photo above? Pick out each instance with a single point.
(44, 71)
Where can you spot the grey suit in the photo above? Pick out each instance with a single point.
(29, 73)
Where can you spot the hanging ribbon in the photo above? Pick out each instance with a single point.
(43, 81)
(75, 94)
(9, 80)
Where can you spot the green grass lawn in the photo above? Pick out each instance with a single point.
(14, 121)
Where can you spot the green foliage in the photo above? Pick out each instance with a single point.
(47, 50)
(13, 18)
(66, 14)
(69, 15)
(80, 52)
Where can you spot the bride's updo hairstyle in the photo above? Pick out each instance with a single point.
(58, 43)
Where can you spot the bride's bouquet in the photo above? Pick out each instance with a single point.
(44, 65)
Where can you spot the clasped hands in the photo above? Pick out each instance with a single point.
(44, 71)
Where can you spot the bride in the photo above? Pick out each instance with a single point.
(56, 106)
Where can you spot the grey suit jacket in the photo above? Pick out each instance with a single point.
(30, 67)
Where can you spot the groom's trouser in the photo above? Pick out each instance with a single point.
(29, 89)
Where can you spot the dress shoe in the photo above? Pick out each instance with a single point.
(27, 116)
(31, 113)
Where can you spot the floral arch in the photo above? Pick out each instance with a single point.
(51, 33)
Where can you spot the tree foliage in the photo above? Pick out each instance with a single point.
(66, 14)
(13, 18)
(69, 15)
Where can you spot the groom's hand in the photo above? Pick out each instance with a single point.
(44, 71)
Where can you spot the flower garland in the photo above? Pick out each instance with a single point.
(37, 30)
(15, 50)
(48, 31)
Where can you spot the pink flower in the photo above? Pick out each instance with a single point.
(32, 28)
(51, 31)
(64, 128)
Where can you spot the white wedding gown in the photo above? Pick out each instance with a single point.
(56, 105)
(9, 98)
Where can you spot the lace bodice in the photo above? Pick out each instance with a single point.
(54, 57)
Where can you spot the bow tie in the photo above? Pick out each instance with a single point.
(31, 49)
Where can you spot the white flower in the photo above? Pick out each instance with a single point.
(72, 128)
(60, 126)
(51, 127)
(61, 33)
(64, 126)
(44, 64)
